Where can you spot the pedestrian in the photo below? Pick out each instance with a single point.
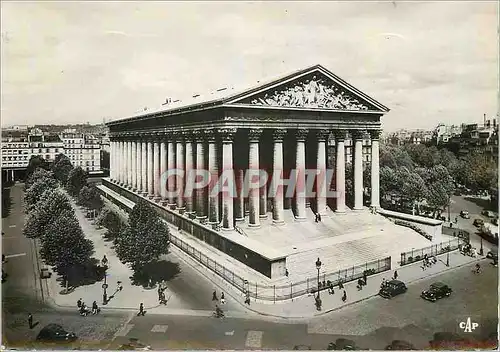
(395, 274)
(286, 272)
(104, 261)
(95, 308)
(360, 285)
(344, 297)
(341, 285)
(316, 218)
(214, 296)
(79, 303)
(3, 258)
(365, 278)
(163, 300)
(141, 310)
(383, 283)
(159, 292)
(247, 299)
(30, 320)
(319, 217)
(222, 300)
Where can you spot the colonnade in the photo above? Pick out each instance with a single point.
(139, 163)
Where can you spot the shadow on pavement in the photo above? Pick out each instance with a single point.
(155, 272)
(480, 202)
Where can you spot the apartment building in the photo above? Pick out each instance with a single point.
(82, 149)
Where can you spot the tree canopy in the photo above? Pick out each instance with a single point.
(89, 198)
(61, 168)
(36, 161)
(77, 178)
(36, 190)
(145, 238)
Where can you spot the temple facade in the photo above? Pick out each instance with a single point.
(283, 126)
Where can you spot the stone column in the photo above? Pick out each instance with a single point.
(111, 160)
(144, 168)
(340, 170)
(163, 170)
(357, 137)
(321, 182)
(277, 186)
(156, 169)
(150, 169)
(239, 209)
(134, 165)
(138, 162)
(201, 196)
(227, 136)
(180, 179)
(123, 163)
(129, 164)
(253, 167)
(171, 166)
(119, 162)
(213, 196)
(190, 166)
(375, 169)
(300, 166)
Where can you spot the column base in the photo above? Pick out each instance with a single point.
(254, 226)
(278, 222)
(151, 196)
(201, 218)
(190, 214)
(181, 210)
(227, 229)
(357, 208)
(239, 219)
(300, 219)
(263, 216)
(172, 206)
(164, 202)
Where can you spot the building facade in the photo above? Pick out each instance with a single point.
(84, 150)
(282, 127)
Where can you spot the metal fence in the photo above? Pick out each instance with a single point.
(416, 255)
(288, 291)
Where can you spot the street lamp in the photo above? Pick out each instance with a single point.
(104, 288)
(318, 266)
(448, 259)
(481, 251)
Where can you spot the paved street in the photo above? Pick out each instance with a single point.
(22, 293)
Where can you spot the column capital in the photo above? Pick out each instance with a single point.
(198, 136)
(279, 134)
(340, 135)
(357, 134)
(227, 134)
(170, 134)
(301, 134)
(210, 135)
(189, 136)
(254, 134)
(179, 136)
(322, 135)
(375, 134)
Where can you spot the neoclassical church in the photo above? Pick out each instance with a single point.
(280, 126)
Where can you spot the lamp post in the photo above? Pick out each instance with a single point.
(318, 266)
(448, 259)
(104, 289)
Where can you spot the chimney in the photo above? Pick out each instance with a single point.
(484, 119)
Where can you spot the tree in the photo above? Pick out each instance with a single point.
(61, 168)
(89, 198)
(35, 191)
(36, 161)
(440, 186)
(65, 245)
(77, 178)
(389, 182)
(52, 203)
(37, 175)
(413, 187)
(111, 221)
(145, 239)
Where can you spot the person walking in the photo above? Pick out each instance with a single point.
(79, 303)
(141, 310)
(365, 278)
(344, 297)
(30, 320)
(222, 300)
(214, 296)
(104, 261)
(95, 308)
(286, 272)
(395, 274)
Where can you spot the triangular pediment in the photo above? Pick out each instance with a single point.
(316, 88)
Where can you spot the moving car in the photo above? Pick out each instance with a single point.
(436, 291)
(493, 254)
(400, 345)
(465, 214)
(55, 333)
(478, 222)
(342, 345)
(488, 213)
(392, 288)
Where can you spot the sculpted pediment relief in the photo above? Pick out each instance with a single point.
(312, 92)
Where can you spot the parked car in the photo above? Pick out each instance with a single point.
(465, 214)
(449, 341)
(392, 288)
(488, 214)
(55, 333)
(436, 291)
(493, 254)
(342, 345)
(400, 345)
(478, 222)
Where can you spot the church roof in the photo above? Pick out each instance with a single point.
(234, 96)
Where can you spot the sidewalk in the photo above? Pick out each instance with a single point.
(129, 298)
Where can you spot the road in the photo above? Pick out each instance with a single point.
(371, 324)
(22, 293)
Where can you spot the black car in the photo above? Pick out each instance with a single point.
(392, 288)
(400, 345)
(436, 291)
(493, 254)
(478, 222)
(342, 345)
(55, 333)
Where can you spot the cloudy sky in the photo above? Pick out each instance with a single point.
(73, 62)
